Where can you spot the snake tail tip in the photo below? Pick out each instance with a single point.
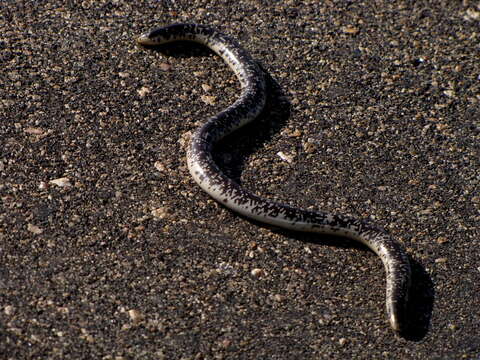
(398, 326)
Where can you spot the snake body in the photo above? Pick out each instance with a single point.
(230, 194)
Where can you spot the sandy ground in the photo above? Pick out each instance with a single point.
(108, 249)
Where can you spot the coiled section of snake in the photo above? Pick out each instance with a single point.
(226, 191)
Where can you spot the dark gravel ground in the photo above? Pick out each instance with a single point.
(110, 251)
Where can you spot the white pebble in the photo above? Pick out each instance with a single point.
(62, 182)
(9, 310)
(34, 229)
(285, 157)
(258, 272)
(135, 315)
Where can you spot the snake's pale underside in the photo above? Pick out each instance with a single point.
(230, 194)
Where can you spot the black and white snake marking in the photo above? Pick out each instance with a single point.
(227, 192)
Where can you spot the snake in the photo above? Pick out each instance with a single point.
(230, 194)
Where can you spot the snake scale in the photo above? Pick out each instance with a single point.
(230, 194)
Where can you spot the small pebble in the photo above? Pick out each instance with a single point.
(43, 185)
(159, 166)
(62, 182)
(9, 310)
(472, 14)
(34, 229)
(442, 240)
(185, 139)
(309, 147)
(165, 67)
(143, 91)
(34, 131)
(226, 343)
(350, 30)
(135, 315)
(285, 157)
(449, 93)
(258, 272)
(278, 297)
(206, 87)
(160, 213)
(296, 133)
(210, 100)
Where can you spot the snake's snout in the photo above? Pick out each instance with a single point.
(396, 324)
(145, 39)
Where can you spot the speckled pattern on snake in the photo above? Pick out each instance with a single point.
(227, 192)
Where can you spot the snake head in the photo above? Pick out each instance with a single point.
(147, 39)
(156, 36)
(171, 33)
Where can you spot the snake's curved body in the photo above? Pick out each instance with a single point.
(227, 192)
